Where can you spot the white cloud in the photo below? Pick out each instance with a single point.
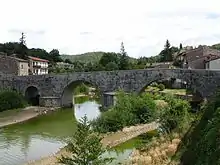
(75, 26)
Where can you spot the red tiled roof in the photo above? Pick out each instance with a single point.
(37, 59)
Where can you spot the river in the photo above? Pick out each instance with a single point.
(45, 135)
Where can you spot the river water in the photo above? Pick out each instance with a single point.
(45, 135)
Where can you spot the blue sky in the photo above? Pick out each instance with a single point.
(78, 26)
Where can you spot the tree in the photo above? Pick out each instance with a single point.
(23, 48)
(166, 53)
(181, 46)
(111, 66)
(167, 45)
(109, 57)
(86, 147)
(22, 39)
(124, 60)
(55, 55)
(68, 61)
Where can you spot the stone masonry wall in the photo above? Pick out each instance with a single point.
(8, 65)
(203, 81)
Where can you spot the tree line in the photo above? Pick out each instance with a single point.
(22, 51)
(109, 61)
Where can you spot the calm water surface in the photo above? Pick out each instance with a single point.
(45, 135)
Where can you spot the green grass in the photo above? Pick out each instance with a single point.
(168, 91)
(175, 91)
(150, 88)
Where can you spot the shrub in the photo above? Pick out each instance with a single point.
(85, 148)
(11, 100)
(161, 87)
(176, 116)
(82, 88)
(200, 145)
(154, 84)
(129, 110)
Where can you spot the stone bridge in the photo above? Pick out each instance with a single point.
(57, 90)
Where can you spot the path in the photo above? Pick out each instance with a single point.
(111, 140)
(128, 133)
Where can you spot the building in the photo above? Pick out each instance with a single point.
(196, 58)
(38, 66)
(212, 63)
(13, 65)
(64, 65)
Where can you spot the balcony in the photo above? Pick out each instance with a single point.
(40, 66)
(36, 66)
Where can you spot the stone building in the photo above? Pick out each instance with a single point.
(212, 63)
(13, 65)
(38, 66)
(196, 58)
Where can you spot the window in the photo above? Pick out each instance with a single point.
(22, 67)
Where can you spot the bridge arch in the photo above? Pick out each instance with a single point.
(67, 97)
(184, 80)
(32, 95)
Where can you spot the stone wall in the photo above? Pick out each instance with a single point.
(205, 82)
(8, 65)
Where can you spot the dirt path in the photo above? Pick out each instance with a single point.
(111, 140)
(20, 115)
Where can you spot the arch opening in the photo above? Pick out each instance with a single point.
(177, 87)
(32, 95)
(79, 92)
(166, 83)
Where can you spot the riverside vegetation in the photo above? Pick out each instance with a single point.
(11, 100)
(130, 109)
(187, 138)
(86, 147)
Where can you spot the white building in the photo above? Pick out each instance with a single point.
(213, 63)
(38, 66)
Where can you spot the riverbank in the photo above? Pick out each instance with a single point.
(157, 152)
(111, 140)
(20, 115)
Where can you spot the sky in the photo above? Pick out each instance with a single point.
(79, 26)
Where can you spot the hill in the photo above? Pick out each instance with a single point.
(88, 57)
(216, 46)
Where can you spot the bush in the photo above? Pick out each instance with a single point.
(200, 145)
(81, 89)
(161, 87)
(11, 100)
(176, 115)
(129, 110)
(85, 147)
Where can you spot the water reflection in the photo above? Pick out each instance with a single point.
(90, 109)
(44, 135)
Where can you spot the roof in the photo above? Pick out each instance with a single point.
(13, 57)
(211, 58)
(37, 59)
(18, 59)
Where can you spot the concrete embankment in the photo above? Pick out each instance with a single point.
(111, 140)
